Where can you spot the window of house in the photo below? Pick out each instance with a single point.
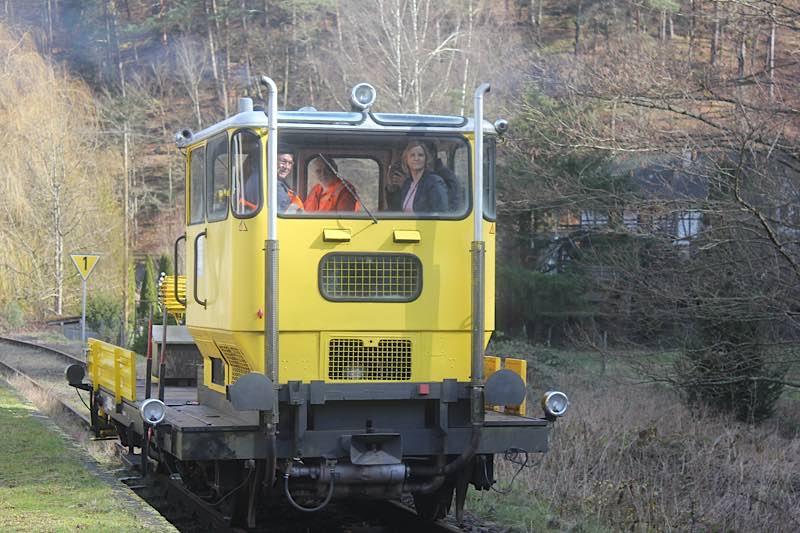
(593, 219)
(688, 226)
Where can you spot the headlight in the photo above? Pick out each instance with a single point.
(555, 403)
(363, 96)
(153, 411)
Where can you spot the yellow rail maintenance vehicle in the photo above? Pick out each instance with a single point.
(339, 280)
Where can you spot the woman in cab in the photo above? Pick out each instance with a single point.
(412, 185)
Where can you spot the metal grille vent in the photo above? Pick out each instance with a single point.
(235, 359)
(369, 359)
(370, 277)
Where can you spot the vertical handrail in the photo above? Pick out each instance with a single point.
(271, 331)
(478, 255)
(175, 269)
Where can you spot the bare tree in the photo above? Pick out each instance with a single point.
(407, 58)
(190, 60)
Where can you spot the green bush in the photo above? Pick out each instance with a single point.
(148, 292)
(725, 367)
(14, 314)
(104, 315)
(165, 265)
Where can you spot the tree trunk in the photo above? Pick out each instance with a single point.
(196, 93)
(247, 61)
(8, 11)
(58, 237)
(286, 79)
(539, 23)
(741, 56)
(211, 13)
(162, 6)
(465, 81)
(125, 235)
(771, 54)
(49, 21)
(691, 31)
(671, 27)
(226, 68)
(416, 82)
(398, 53)
(715, 35)
(578, 27)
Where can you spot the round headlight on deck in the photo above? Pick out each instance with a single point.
(363, 96)
(555, 403)
(153, 411)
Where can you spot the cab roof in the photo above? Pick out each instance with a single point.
(339, 121)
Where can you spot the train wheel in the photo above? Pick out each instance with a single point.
(436, 505)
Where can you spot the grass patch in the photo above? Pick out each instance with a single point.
(44, 485)
(521, 511)
(630, 456)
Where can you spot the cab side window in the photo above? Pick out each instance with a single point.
(489, 189)
(245, 174)
(217, 182)
(197, 181)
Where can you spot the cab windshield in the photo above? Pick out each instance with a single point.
(366, 175)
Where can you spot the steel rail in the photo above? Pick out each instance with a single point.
(68, 410)
(66, 356)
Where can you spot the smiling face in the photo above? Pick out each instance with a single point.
(285, 164)
(416, 159)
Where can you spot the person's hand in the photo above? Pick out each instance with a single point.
(396, 178)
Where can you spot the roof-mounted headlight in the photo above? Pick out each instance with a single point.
(362, 96)
(153, 411)
(501, 125)
(555, 403)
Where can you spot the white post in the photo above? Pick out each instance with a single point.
(83, 316)
(478, 192)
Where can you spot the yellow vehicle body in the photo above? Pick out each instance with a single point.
(376, 384)
(230, 279)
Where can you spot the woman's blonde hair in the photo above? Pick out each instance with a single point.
(413, 144)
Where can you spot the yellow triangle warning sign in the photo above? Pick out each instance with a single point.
(242, 226)
(85, 263)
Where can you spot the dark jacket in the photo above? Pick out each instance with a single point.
(431, 195)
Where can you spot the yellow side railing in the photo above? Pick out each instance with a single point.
(167, 295)
(113, 368)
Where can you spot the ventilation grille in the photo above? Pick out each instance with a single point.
(370, 277)
(235, 359)
(369, 360)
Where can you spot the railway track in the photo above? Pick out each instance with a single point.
(42, 367)
(45, 374)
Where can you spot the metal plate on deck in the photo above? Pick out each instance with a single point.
(494, 418)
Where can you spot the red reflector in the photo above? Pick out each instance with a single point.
(424, 388)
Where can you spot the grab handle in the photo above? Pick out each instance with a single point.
(175, 270)
(204, 233)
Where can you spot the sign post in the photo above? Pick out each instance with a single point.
(85, 264)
